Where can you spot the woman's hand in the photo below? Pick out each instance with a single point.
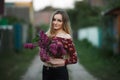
(56, 62)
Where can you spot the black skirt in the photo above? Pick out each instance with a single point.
(55, 73)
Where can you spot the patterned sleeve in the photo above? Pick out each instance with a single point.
(71, 52)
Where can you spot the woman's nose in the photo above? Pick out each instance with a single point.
(55, 22)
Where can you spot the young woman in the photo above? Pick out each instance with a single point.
(60, 30)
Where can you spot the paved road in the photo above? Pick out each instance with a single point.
(76, 71)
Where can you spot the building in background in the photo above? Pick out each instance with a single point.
(1, 14)
(20, 10)
(43, 16)
(1, 7)
(15, 28)
(113, 25)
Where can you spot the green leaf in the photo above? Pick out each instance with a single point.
(36, 39)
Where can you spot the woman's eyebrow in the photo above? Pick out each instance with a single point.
(59, 20)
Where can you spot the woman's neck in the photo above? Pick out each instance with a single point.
(59, 31)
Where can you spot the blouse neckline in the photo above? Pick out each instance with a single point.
(62, 38)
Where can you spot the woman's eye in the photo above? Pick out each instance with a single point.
(59, 20)
(53, 19)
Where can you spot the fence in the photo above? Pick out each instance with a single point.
(92, 34)
(10, 38)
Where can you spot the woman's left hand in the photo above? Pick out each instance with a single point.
(56, 62)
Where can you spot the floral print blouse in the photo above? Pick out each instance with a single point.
(71, 57)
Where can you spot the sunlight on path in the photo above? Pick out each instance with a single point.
(76, 71)
(34, 72)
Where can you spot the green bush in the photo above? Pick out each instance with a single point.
(100, 63)
(14, 65)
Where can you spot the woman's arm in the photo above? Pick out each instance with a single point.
(56, 62)
(72, 56)
(72, 59)
(71, 53)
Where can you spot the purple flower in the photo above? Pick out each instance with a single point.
(29, 45)
(56, 49)
(61, 49)
(48, 47)
(43, 55)
(44, 39)
(53, 48)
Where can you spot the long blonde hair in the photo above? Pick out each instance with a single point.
(66, 23)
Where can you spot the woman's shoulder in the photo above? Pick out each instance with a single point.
(64, 36)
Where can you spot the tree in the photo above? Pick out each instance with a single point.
(84, 15)
(112, 4)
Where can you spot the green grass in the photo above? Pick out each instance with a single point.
(13, 65)
(101, 63)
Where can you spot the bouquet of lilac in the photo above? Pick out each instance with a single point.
(48, 47)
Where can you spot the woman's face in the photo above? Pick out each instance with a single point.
(57, 22)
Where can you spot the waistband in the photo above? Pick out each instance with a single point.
(48, 68)
(52, 66)
(49, 65)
